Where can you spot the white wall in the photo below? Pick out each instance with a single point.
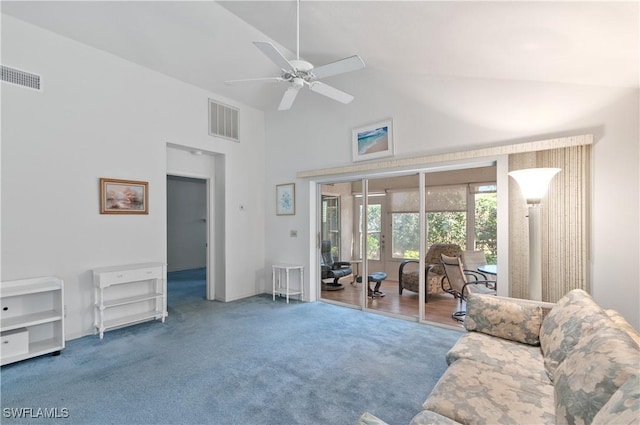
(101, 116)
(442, 115)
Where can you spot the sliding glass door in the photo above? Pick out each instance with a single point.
(338, 256)
(385, 225)
(330, 222)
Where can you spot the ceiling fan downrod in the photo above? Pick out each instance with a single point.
(298, 30)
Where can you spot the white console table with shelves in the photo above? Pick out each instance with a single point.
(129, 294)
(31, 318)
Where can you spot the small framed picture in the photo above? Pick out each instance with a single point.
(286, 199)
(373, 141)
(124, 196)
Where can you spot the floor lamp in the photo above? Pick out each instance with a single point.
(534, 183)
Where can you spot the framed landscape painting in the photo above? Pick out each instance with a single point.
(124, 196)
(286, 199)
(373, 141)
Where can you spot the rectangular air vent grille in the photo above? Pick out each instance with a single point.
(223, 121)
(20, 78)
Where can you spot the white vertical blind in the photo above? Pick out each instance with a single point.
(565, 224)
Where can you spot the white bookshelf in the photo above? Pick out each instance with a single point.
(33, 308)
(129, 294)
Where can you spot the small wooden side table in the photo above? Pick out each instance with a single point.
(283, 288)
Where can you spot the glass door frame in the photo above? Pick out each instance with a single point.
(422, 250)
(501, 161)
(325, 199)
(359, 228)
(361, 216)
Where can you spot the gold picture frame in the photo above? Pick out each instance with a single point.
(123, 196)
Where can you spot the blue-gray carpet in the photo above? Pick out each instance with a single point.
(252, 361)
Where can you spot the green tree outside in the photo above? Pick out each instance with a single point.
(448, 227)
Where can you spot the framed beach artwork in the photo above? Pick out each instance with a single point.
(286, 199)
(124, 196)
(373, 141)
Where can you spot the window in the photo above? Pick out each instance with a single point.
(486, 225)
(447, 227)
(330, 222)
(447, 218)
(405, 235)
(447, 214)
(405, 225)
(374, 229)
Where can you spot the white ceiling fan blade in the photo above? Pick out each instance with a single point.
(341, 66)
(288, 98)
(274, 54)
(256, 80)
(330, 92)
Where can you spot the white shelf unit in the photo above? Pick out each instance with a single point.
(280, 288)
(34, 306)
(129, 294)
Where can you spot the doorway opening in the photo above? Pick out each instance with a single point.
(187, 246)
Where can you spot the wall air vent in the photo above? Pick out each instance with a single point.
(21, 78)
(223, 121)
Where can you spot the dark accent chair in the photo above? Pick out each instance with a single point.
(434, 273)
(331, 269)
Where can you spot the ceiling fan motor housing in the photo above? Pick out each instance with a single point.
(301, 69)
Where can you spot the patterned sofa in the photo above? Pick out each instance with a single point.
(523, 362)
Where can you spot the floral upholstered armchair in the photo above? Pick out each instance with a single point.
(408, 274)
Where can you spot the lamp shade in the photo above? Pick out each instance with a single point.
(534, 182)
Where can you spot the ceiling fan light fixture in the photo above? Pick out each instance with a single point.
(297, 83)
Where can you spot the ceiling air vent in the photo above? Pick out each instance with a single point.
(223, 121)
(20, 78)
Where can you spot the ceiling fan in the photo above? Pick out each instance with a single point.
(299, 73)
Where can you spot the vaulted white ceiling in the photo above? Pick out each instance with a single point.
(205, 43)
